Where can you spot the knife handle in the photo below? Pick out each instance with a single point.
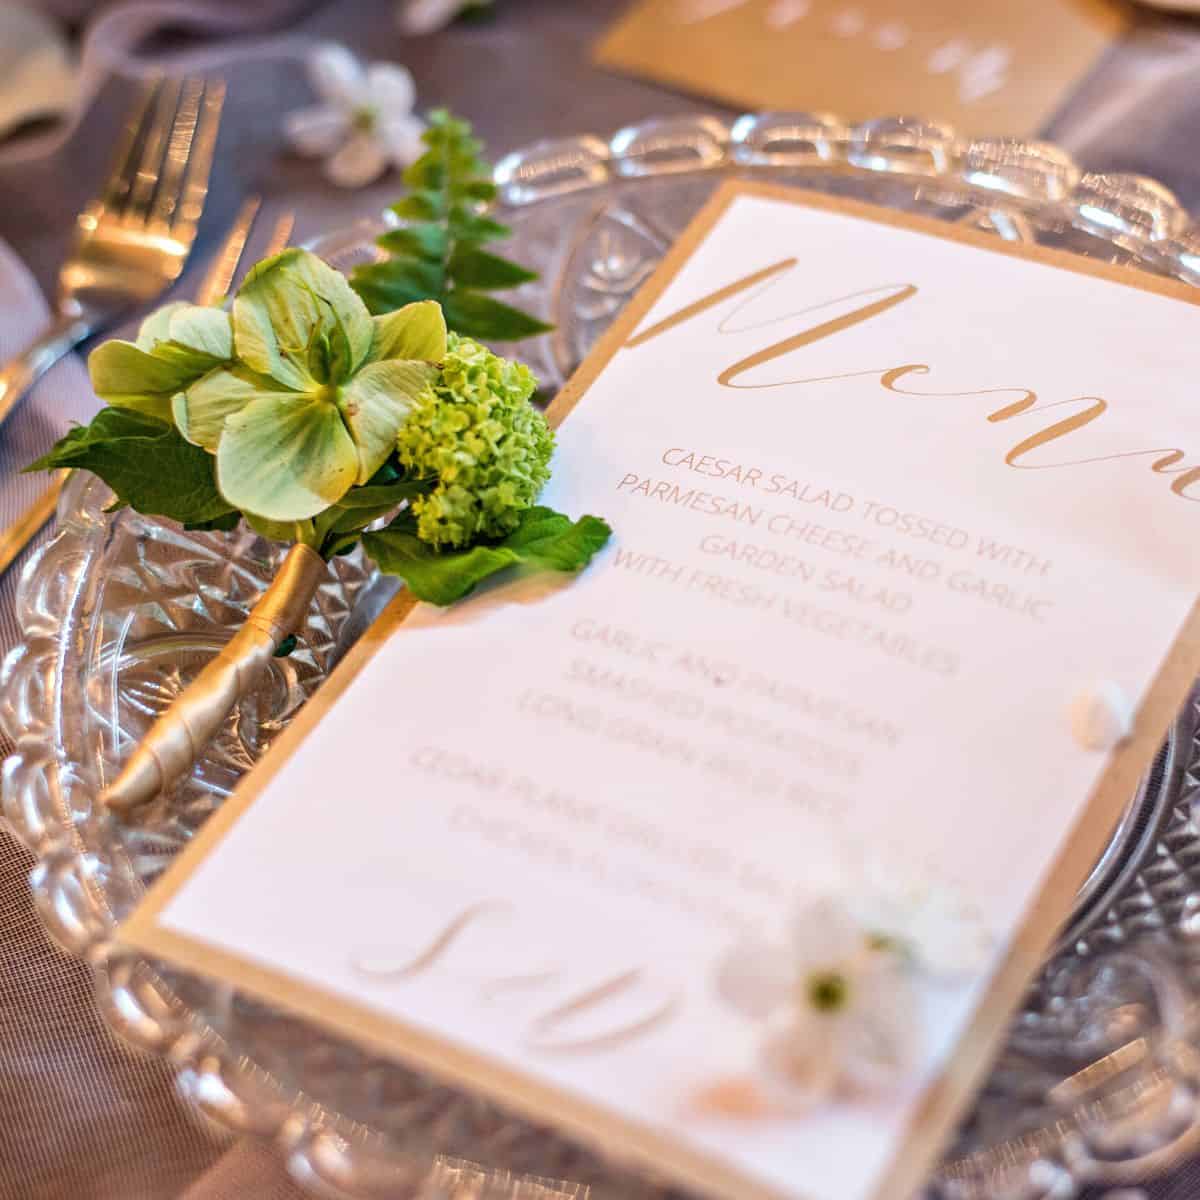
(19, 374)
(24, 529)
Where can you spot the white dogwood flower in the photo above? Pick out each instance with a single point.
(942, 937)
(364, 121)
(835, 1002)
(428, 16)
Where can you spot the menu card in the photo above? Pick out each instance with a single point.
(904, 572)
(988, 69)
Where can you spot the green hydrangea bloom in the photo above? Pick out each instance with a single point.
(475, 430)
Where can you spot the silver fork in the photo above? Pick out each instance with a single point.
(217, 284)
(133, 239)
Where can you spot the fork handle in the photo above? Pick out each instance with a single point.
(19, 374)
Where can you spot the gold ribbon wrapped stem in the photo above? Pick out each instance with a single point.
(170, 748)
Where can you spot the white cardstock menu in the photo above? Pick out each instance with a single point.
(891, 499)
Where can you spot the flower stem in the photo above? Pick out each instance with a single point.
(175, 740)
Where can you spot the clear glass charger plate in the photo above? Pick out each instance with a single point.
(1097, 1082)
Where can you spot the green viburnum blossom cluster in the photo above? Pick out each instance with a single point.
(474, 430)
(302, 413)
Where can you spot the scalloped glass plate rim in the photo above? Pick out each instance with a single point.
(1029, 181)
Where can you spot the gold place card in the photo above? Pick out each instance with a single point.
(733, 855)
(986, 68)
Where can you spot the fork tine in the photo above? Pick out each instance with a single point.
(179, 149)
(217, 282)
(281, 234)
(204, 144)
(124, 163)
(15, 537)
(145, 179)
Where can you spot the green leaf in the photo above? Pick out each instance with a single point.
(469, 226)
(384, 286)
(550, 540)
(286, 459)
(390, 472)
(286, 646)
(355, 520)
(386, 495)
(146, 462)
(222, 524)
(381, 294)
(424, 280)
(437, 255)
(544, 539)
(417, 206)
(471, 267)
(298, 320)
(425, 240)
(341, 544)
(416, 331)
(374, 405)
(473, 189)
(443, 123)
(426, 174)
(280, 531)
(488, 319)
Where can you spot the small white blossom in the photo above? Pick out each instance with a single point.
(942, 936)
(835, 996)
(364, 121)
(835, 1003)
(428, 16)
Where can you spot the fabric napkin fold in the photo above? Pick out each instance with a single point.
(63, 396)
(114, 36)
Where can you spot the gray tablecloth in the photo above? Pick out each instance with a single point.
(80, 1115)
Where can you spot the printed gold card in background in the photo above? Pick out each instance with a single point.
(984, 67)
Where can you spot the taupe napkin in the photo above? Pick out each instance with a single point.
(116, 38)
(62, 397)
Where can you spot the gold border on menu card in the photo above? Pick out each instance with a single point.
(944, 1101)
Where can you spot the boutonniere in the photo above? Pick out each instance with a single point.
(326, 427)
